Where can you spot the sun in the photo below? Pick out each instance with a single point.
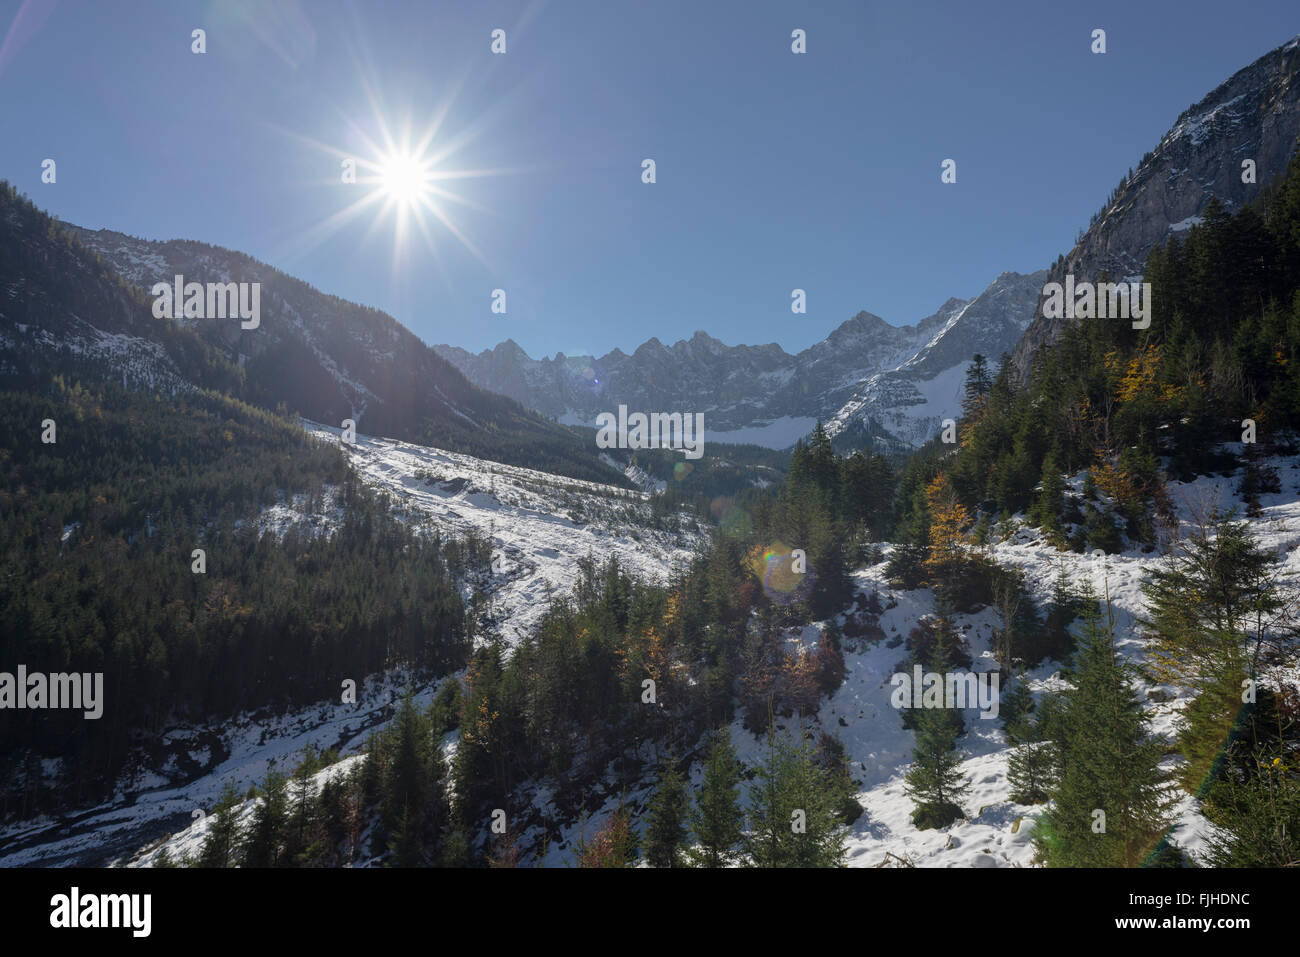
(405, 178)
(402, 178)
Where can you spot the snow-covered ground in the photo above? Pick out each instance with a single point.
(150, 804)
(996, 832)
(881, 750)
(539, 524)
(542, 524)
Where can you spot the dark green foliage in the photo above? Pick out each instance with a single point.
(794, 816)
(1110, 804)
(934, 781)
(1031, 767)
(1253, 793)
(716, 818)
(1211, 607)
(1017, 711)
(413, 805)
(267, 831)
(222, 839)
(1223, 345)
(97, 532)
(665, 834)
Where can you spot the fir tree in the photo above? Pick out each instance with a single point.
(614, 845)
(934, 782)
(1111, 804)
(1210, 603)
(1031, 767)
(222, 838)
(1210, 607)
(794, 820)
(717, 820)
(1255, 801)
(666, 832)
(261, 847)
(1017, 708)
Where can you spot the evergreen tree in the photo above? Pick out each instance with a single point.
(303, 812)
(1048, 506)
(666, 832)
(934, 782)
(1210, 608)
(261, 847)
(1031, 766)
(404, 842)
(1208, 601)
(793, 820)
(1110, 805)
(717, 820)
(979, 383)
(614, 845)
(1254, 801)
(222, 838)
(1029, 772)
(1017, 711)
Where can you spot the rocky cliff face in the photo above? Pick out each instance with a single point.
(1253, 115)
(872, 383)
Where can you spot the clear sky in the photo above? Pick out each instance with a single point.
(774, 171)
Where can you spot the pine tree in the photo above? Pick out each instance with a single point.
(1017, 711)
(1047, 507)
(793, 819)
(1031, 767)
(1208, 601)
(404, 841)
(1211, 605)
(1207, 723)
(261, 847)
(666, 832)
(1111, 803)
(1029, 772)
(1254, 799)
(979, 382)
(1260, 818)
(1062, 609)
(302, 812)
(717, 820)
(222, 838)
(934, 782)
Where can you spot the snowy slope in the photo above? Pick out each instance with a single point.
(997, 832)
(540, 524)
(520, 510)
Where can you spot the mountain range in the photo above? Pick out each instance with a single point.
(869, 381)
(872, 383)
(891, 386)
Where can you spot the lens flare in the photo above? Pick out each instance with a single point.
(777, 569)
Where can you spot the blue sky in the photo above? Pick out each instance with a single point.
(775, 171)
